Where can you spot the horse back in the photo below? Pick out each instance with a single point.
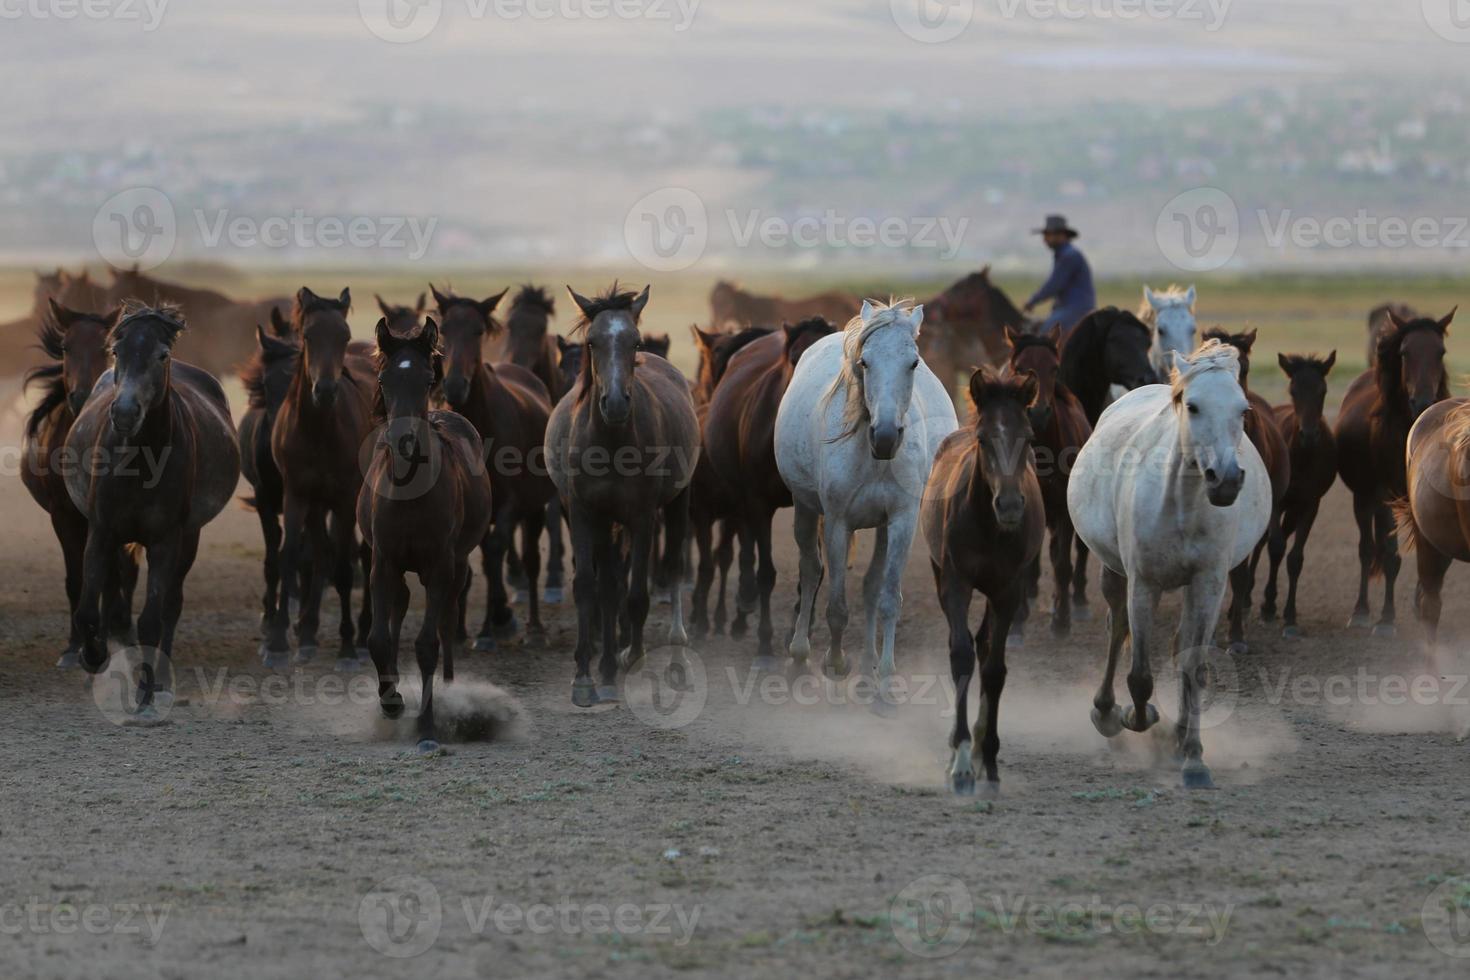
(1370, 443)
(1438, 503)
(740, 428)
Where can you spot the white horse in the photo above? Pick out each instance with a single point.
(1170, 315)
(856, 435)
(1169, 494)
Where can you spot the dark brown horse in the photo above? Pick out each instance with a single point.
(1262, 429)
(1313, 453)
(318, 440)
(77, 293)
(509, 407)
(657, 343)
(1379, 323)
(732, 306)
(403, 320)
(966, 325)
(621, 447)
(984, 521)
(1436, 513)
(424, 506)
(1060, 429)
(76, 343)
(740, 440)
(1372, 432)
(530, 344)
(148, 408)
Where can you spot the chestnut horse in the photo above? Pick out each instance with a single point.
(509, 407)
(1060, 430)
(731, 305)
(984, 521)
(1313, 471)
(966, 325)
(739, 438)
(148, 407)
(76, 343)
(317, 440)
(621, 448)
(1372, 433)
(1436, 513)
(1379, 324)
(424, 506)
(1262, 429)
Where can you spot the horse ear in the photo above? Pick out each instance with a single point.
(1285, 363)
(704, 341)
(428, 336)
(1394, 321)
(345, 300)
(583, 303)
(917, 318)
(867, 310)
(1030, 387)
(260, 338)
(640, 303)
(386, 310)
(422, 304)
(279, 323)
(305, 297)
(1177, 362)
(1331, 360)
(562, 344)
(1189, 296)
(1444, 325)
(985, 272)
(439, 297)
(1250, 338)
(1012, 337)
(1054, 336)
(487, 306)
(384, 335)
(1150, 298)
(59, 313)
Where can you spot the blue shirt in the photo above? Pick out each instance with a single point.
(1070, 285)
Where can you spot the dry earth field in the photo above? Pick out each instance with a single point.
(272, 827)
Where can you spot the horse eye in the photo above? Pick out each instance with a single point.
(163, 357)
(914, 366)
(1193, 408)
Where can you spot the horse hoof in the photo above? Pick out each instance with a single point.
(584, 693)
(1015, 641)
(883, 705)
(676, 675)
(428, 746)
(1238, 647)
(275, 659)
(364, 654)
(1081, 612)
(764, 664)
(507, 629)
(962, 783)
(626, 659)
(391, 705)
(485, 644)
(1268, 615)
(836, 670)
(1360, 620)
(608, 694)
(553, 595)
(678, 638)
(305, 655)
(1386, 630)
(70, 660)
(796, 668)
(1108, 725)
(1130, 718)
(738, 629)
(1291, 632)
(988, 790)
(1197, 776)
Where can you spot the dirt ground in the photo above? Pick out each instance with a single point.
(272, 827)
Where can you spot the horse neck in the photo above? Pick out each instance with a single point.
(310, 417)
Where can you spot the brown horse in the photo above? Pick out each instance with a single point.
(1379, 324)
(1313, 471)
(984, 521)
(404, 321)
(732, 306)
(1373, 424)
(1060, 429)
(317, 441)
(424, 506)
(1436, 513)
(966, 325)
(509, 407)
(1262, 429)
(740, 440)
(76, 343)
(656, 343)
(621, 447)
(76, 293)
(148, 407)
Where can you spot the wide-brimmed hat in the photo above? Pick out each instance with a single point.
(1056, 222)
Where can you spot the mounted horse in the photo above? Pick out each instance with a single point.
(967, 325)
(76, 343)
(1169, 494)
(739, 439)
(424, 506)
(1372, 432)
(163, 430)
(855, 438)
(509, 407)
(984, 521)
(621, 448)
(732, 306)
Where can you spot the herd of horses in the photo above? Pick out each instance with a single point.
(1131, 437)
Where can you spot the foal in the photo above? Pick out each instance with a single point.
(423, 507)
(984, 520)
(1313, 471)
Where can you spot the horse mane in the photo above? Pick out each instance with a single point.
(854, 336)
(1388, 368)
(1083, 351)
(611, 301)
(1026, 341)
(165, 315)
(1173, 295)
(253, 372)
(1242, 342)
(1292, 363)
(731, 344)
(1213, 355)
(989, 388)
(1457, 429)
(533, 299)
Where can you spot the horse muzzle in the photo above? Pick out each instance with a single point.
(126, 418)
(324, 392)
(1223, 486)
(615, 409)
(885, 440)
(77, 400)
(1010, 511)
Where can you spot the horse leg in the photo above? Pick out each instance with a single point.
(1143, 600)
(1240, 604)
(892, 553)
(676, 530)
(587, 547)
(955, 595)
(165, 558)
(124, 585)
(1432, 568)
(449, 637)
(746, 593)
(71, 532)
(704, 576)
(1061, 569)
(1363, 507)
(766, 581)
(438, 608)
(1080, 610)
(365, 614)
(97, 571)
(611, 587)
(343, 546)
(1196, 627)
(1107, 718)
(277, 648)
(724, 557)
(807, 525)
(1390, 562)
(1031, 587)
(270, 531)
(837, 537)
(872, 589)
(992, 658)
(309, 619)
(554, 589)
(531, 528)
(384, 585)
(1275, 551)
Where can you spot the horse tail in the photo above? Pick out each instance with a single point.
(1405, 525)
(135, 553)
